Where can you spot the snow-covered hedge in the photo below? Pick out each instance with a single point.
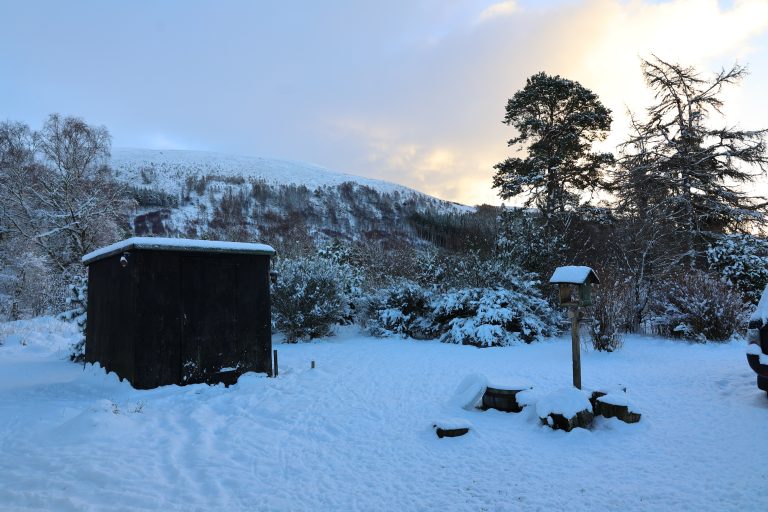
(483, 317)
(486, 317)
(401, 310)
(743, 261)
(308, 298)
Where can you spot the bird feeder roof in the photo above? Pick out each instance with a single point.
(574, 275)
(177, 244)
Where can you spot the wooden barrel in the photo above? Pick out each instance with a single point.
(502, 399)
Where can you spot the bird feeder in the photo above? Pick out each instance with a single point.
(575, 291)
(575, 285)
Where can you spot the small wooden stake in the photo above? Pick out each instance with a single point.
(274, 364)
(573, 312)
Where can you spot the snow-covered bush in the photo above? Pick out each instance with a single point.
(742, 260)
(492, 303)
(471, 270)
(487, 317)
(699, 307)
(77, 302)
(29, 287)
(403, 310)
(349, 275)
(613, 307)
(308, 298)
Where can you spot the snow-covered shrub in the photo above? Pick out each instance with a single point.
(699, 307)
(612, 311)
(308, 298)
(472, 270)
(403, 310)
(28, 285)
(742, 260)
(77, 302)
(487, 317)
(349, 275)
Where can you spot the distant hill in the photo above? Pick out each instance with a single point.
(212, 195)
(170, 168)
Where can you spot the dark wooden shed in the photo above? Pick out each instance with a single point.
(174, 311)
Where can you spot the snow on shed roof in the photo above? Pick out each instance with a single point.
(177, 244)
(574, 275)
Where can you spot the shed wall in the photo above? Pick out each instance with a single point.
(174, 317)
(111, 330)
(159, 314)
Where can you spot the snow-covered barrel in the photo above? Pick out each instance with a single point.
(502, 395)
(173, 311)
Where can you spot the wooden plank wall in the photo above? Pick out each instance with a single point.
(172, 317)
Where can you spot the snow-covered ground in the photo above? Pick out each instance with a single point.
(356, 432)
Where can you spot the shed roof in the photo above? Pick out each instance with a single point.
(574, 275)
(177, 244)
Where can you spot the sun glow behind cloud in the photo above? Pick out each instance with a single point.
(598, 43)
(408, 91)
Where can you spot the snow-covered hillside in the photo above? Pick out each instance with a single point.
(173, 167)
(211, 195)
(355, 433)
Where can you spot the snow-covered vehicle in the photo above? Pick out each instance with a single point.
(757, 337)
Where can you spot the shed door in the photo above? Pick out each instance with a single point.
(209, 299)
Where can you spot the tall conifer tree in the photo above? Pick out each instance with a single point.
(557, 120)
(679, 172)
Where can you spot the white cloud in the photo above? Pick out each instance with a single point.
(443, 131)
(406, 90)
(498, 9)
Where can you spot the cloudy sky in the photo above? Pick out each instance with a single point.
(412, 91)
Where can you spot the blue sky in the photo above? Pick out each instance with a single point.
(409, 91)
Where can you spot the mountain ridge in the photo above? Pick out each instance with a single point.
(173, 166)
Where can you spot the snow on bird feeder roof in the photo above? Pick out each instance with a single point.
(574, 275)
(177, 244)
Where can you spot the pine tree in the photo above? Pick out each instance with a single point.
(557, 121)
(682, 175)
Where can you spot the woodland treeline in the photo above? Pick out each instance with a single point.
(668, 221)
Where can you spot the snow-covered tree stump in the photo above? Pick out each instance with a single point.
(614, 404)
(565, 409)
(582, 419)
(503, 397)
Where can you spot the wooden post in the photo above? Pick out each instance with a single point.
(274, 364)
(573, 313)
(313, 364)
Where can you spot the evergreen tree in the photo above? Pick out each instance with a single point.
(557, 121)
(682, 175)
(77, 302)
